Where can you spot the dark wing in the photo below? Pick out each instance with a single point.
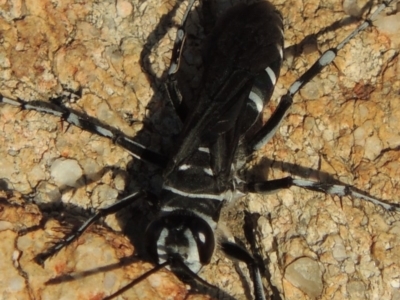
(246, 42)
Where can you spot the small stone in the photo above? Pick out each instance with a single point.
(47, 193)
(356, 289)
(305, 274)
(339, 250)
(66, 172)
(104, 195)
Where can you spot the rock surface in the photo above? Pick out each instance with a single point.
(343, 125)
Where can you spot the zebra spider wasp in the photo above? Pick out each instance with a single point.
(304, 224)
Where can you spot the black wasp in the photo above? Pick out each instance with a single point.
(242, 60)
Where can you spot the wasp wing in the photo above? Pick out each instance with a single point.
(244, 44)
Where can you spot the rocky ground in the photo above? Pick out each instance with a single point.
(343, 125)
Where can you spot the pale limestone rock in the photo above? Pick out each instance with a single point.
(305, 274)
(98, 47)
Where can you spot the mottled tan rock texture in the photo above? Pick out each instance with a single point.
(343, 125)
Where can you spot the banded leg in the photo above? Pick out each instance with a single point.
(249, 227)
(237, 252)
(172, 85)
(92, 125)
(197, 284)
(102, 212)
(272, 186)
(263, 136)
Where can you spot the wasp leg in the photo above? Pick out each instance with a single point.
(171, 85)
(339, 189)
(102, 212)
(237, 252)
(249, 227)
(263, 136)
(92, 125)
